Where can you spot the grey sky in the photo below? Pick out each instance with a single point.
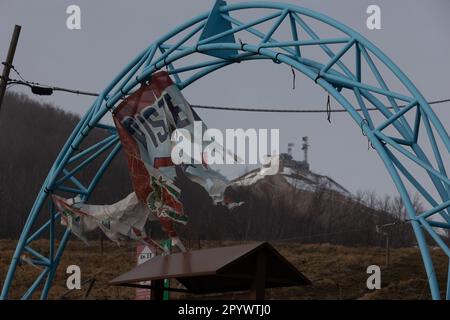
(414, 34)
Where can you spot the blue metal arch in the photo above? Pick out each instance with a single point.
(218, 28)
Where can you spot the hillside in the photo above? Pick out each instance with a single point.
(31, 136)
(328, 233)
(296, 174)
(296, 203)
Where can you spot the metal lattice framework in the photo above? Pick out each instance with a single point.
(405, 132)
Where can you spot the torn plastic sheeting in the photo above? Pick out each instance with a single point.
(145, 122)
(122, 220)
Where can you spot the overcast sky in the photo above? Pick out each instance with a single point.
(415, 34)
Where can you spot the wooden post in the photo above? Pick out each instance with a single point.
(157, 291)
(259, 283)
(7, 65)
(388, 250)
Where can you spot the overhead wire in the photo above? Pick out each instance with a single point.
(45, 89)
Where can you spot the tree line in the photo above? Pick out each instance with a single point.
(31, 136)
(33, 133)
(324, 216)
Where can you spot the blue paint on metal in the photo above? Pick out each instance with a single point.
(218, 28)
(215, 25)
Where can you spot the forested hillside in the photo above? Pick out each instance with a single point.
(31, 135)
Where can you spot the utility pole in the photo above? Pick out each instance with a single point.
(7, 65)
(388, 250)
(380, 230)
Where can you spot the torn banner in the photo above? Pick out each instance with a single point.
(125, 218)
(145, 122)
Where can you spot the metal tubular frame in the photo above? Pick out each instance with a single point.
(335, 77)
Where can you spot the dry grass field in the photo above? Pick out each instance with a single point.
(337, 272)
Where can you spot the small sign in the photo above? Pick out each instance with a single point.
(143, 254)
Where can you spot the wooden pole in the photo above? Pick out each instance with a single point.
(259, 282)
(157, 291)
(388, 250)
(7, 65)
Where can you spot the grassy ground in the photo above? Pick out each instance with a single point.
(337, 272)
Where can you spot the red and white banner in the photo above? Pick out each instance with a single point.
(145, 122)
(142, 121)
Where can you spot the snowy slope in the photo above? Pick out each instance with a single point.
(303, 180)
